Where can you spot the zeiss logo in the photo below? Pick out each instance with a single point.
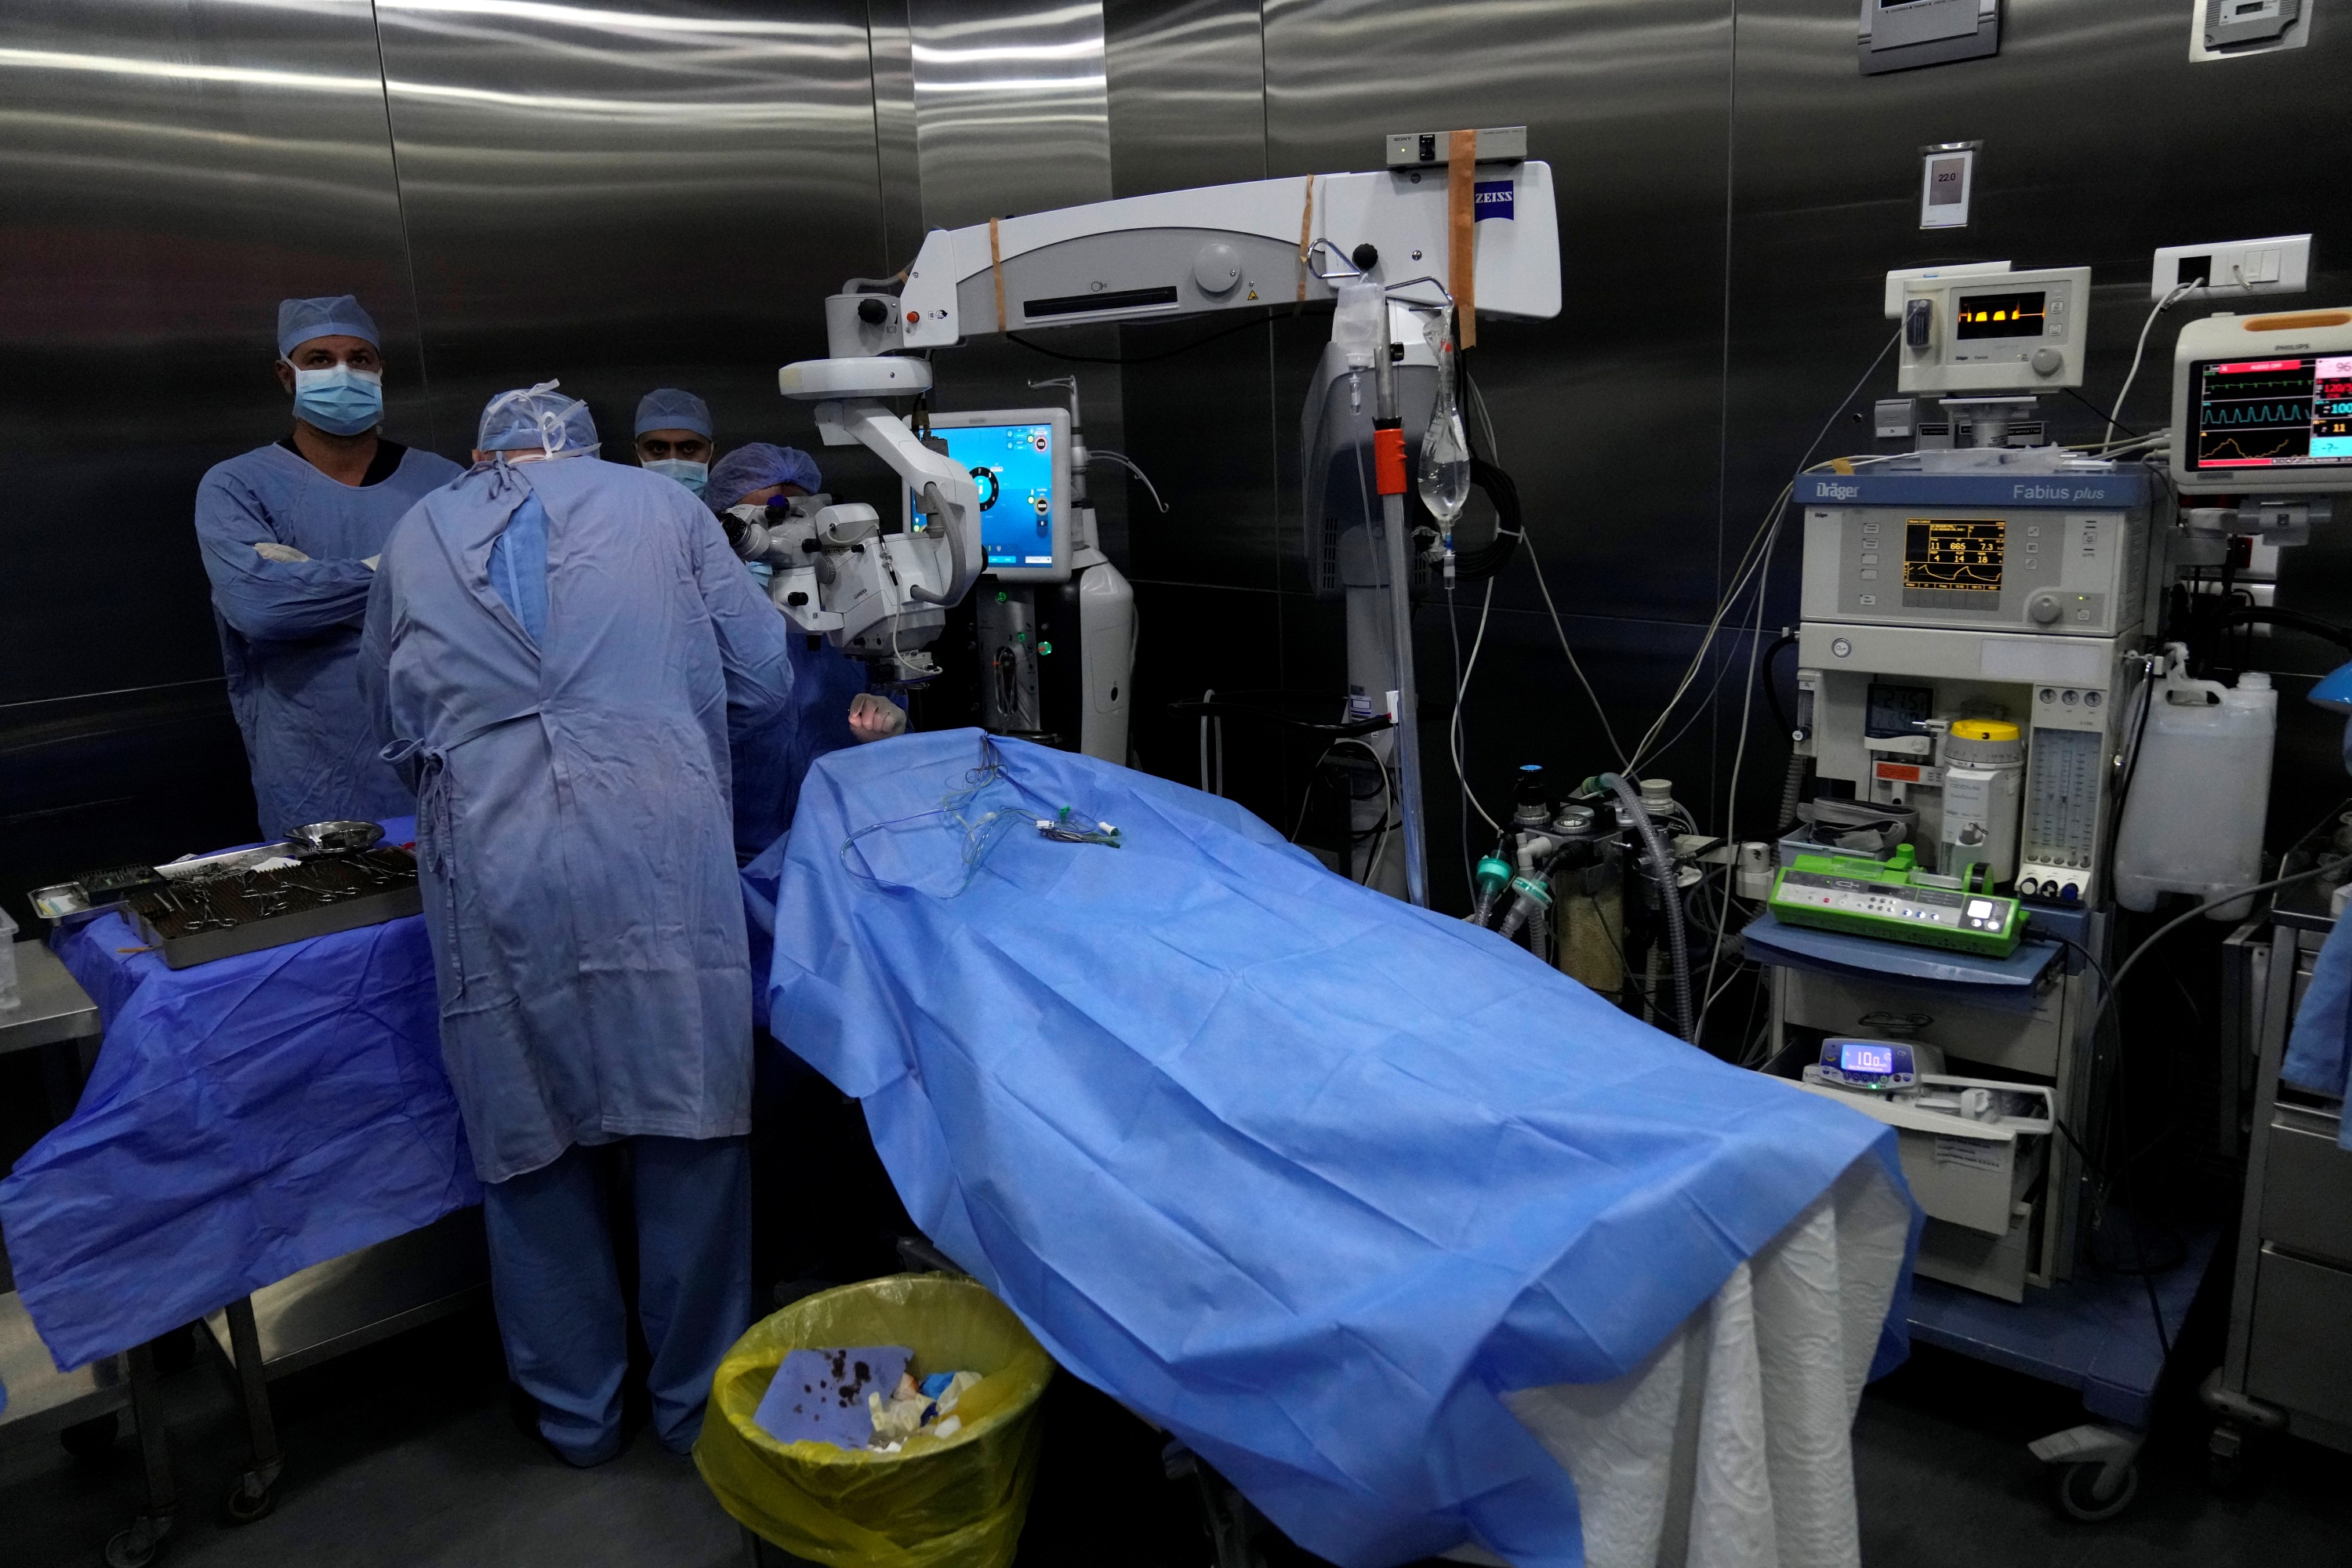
(1828, 491)
(1491, 198)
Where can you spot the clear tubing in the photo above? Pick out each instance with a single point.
(1661, 872)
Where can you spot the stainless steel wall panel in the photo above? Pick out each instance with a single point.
(1010, 112)
(660, 194)
(168, 171)
(1011, 116)
(898, 151)
(167, 174)
(1187, 93)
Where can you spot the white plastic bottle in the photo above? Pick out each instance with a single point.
(2199, 791)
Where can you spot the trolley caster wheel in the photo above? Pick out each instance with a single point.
(2230, 1453)
(2078, 1492)
(248, 1505)
(93, 1438)
(255, 1496)
(142, 1543)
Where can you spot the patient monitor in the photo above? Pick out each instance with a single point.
(2262, 405)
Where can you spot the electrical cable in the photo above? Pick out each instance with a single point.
(1478, 399)
(1752, 559)
(1461, 804)
(1731, 792)
(1608, 732)
(1103, 454)
(2094, 409)
(2140, 353)
(2271, 615)
(1461, 690)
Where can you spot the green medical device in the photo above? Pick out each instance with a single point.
(1877, 898)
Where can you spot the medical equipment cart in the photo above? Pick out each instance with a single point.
(2287, 1367)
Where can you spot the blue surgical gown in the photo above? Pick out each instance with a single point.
(573, 824)
(2319, 1050)
(289, 631)
(771, 758)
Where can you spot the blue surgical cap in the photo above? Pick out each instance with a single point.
(755, 468)
(335, 316)
(667, 408)
(537, 416)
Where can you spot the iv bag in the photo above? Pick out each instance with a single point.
(1445, 446)
(1356, 324)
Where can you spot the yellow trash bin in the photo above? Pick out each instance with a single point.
(934, 1503)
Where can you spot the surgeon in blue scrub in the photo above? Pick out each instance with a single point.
(554, 651)
(2319, 1049)
(831, 706)
(674, 436)
(290, 533)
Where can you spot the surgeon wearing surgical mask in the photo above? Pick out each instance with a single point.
(831, 708)
(674, 436)
(289, 534)
(553, 655)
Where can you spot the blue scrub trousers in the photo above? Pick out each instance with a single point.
(557, 1291)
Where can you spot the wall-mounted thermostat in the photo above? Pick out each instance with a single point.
(1897, 35)
(1947, 177)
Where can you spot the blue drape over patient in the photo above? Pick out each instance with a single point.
(1304, 1175)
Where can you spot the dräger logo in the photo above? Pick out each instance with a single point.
(1825, 490)
(1493, 198)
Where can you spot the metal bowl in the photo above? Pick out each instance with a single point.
(335, 837)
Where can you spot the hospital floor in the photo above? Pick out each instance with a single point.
(404, 1454)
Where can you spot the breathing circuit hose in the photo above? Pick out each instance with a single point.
(1661, 872)
(1793, 791)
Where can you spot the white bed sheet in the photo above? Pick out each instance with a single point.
(1732, 1445)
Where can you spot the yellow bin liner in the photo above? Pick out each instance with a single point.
(960, 1501)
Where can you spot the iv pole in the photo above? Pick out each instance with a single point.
(1389, 469)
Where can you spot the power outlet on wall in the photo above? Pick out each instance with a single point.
(2279, 266)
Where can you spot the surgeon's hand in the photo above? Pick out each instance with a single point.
(873, 718)
(286, 555)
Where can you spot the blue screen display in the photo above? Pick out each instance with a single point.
(1013, 466)
(1859, 1058)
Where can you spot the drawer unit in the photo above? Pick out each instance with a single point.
(2300, 1356)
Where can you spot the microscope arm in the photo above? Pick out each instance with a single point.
(943, 488)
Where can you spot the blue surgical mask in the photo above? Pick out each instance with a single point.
(339, 399)
(693, 476)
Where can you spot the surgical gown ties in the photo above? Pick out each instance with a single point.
(289, 631)
(558, 1289)
(580, 894)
